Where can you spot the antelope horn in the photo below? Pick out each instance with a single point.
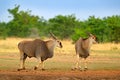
(89, 33)
(53, 36)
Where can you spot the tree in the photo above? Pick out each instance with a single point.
(96, 26)
(113, 28)
(21, 23)
(3, 30)
(63, 26)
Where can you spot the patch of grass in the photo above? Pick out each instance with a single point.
(8, 64)
(103, 56)
(104, 66)
(107, 51)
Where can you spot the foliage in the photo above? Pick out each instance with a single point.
(106, 29)
(3, 30)
(62, 26)
(24, 24)
(113, 25)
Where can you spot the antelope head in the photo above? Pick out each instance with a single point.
(57, 42)
(93, 38)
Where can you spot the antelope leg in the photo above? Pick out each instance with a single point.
(37, 66)
(22, 61)
(85, 64)
(21, 64)
(78, 62)
(24, 58)
(40, 63)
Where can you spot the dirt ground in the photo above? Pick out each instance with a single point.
(60, 75)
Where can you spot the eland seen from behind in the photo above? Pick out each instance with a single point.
(39, 49)
(82, 48)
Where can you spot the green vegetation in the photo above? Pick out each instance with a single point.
(24, 24)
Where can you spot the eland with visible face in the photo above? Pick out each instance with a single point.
(39, 49)
(82, 48)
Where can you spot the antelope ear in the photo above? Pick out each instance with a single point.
(53, 36)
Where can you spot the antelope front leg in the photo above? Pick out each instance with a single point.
(78, 62)
(85, 64)
(40, 63)
(37, 66)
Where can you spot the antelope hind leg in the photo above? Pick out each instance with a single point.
(21, 66)
(22, 61)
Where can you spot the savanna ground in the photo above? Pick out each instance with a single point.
(103, 64)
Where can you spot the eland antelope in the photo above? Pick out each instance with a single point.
(82, 48)
(39, 49)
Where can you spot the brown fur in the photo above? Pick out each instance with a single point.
(82, 47)
(37, 48)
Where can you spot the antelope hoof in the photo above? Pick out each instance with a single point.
(35, 68)
(21, 69)
(80, 69)
(74, 68)
(43, 69)
(85, 69)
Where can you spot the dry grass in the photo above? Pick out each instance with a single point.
(10, 45)
(106, 46)
(103, 56)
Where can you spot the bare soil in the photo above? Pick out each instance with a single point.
(60, 75)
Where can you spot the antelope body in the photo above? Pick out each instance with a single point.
(39, 49)
(82, 48)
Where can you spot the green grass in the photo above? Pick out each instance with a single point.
(6, 64)
(104, 66)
